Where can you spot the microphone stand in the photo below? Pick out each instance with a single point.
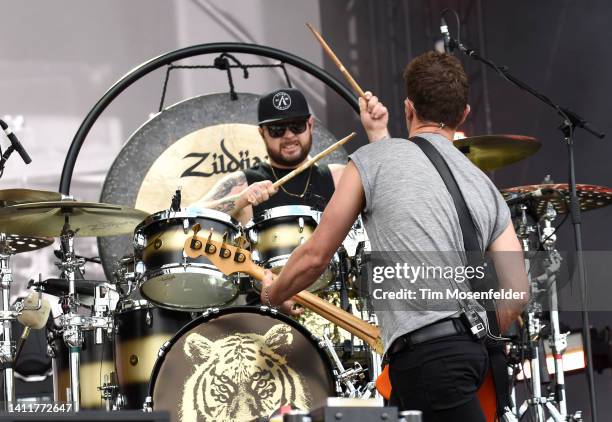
(571, 121)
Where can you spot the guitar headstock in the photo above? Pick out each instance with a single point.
(228, 258)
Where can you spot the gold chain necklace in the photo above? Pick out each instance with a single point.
(294, 194)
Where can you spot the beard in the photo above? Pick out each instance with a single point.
(294, 160)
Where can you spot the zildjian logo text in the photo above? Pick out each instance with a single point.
(208, 164)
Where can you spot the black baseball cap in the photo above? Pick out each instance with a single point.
(282, 104)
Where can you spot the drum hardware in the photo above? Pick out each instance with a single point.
(546, 283)
(109, 391)
(346, 377)
(88, 219)
(8, 315)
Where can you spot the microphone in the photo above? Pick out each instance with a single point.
(15, 142)
(522, 197)
(33, 315)
(445, 36)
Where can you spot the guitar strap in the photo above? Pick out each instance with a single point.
(497, 357)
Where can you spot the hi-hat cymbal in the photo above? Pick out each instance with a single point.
(18, 196)
(85, 218)
(558, 194)
(492, 152)
(15, 244)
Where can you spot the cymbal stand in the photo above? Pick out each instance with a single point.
(556, 404)
(534, 326)
(7, 316)
(71, 322)
(558, 340)
(74, 324)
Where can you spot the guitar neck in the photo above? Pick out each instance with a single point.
(349, 322)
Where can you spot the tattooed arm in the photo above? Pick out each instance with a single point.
(232, 194)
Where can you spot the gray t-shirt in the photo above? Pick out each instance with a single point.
(408, 208)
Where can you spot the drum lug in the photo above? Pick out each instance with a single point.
(301, 224)
(252, 236)
(302, 240)
(148, 405)
(186, 226)
(265, 308)
(149, 318)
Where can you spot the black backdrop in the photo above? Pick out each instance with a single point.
(559, 47)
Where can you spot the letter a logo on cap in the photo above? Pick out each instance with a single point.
(281, 101)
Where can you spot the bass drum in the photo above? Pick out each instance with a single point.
(140, 330)
(239, 364)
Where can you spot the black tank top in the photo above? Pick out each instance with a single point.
(318, 193)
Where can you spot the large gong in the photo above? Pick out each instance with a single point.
(190, 145)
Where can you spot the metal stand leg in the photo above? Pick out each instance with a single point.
(7, 348)
(72, 331)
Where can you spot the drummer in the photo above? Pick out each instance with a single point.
(285, 125)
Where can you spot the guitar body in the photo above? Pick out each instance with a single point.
(486, 393)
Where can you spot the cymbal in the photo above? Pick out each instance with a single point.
(85, 218)
(18, 244)
(590, 196)
(492, 152)
(17, 196)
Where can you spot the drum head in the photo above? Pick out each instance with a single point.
(189, 288)
(240, 364)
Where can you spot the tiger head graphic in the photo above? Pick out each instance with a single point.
(240, 377)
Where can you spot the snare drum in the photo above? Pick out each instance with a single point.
(239, 364)
(169, 278)
(276, 232)
(140, 331)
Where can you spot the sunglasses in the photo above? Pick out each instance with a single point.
(278, 130)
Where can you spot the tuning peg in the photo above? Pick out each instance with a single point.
(195, 244)
(196, 228)
(224, 252)
(239, 256)
(210, 248)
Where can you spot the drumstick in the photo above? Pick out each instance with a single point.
(313, 160)
(303, 166)
(337, 61)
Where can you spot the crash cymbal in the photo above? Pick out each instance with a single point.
(85, 218)
(492, 152)
(17, 244)
(18, 196)
(558, 194)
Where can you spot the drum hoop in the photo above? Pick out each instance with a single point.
(133, 305)
(215, 313)
(284, 211)
(191, 212)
